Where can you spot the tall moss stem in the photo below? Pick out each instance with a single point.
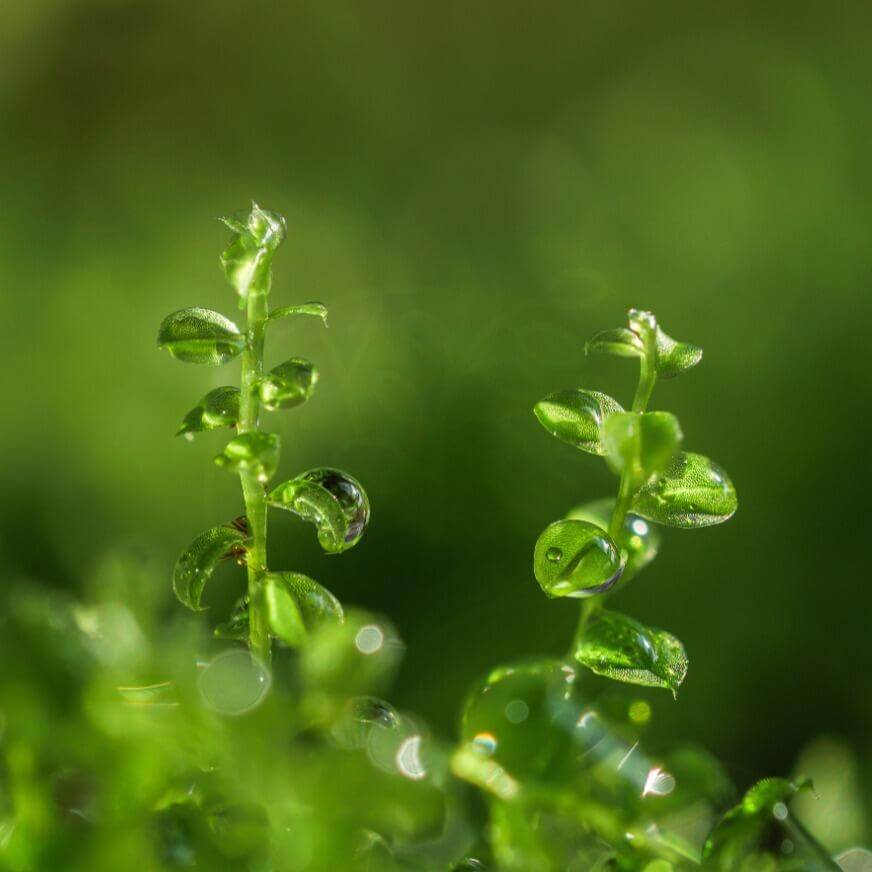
(253, 491)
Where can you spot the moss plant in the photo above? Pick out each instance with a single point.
(284, 605)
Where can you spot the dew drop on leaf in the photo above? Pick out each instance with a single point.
(234, 682)
(554, 555)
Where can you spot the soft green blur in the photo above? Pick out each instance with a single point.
(472, 189)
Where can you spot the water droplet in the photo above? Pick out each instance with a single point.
(360, 715)
(554, 555)
(408, 758)
(658, 783)
(577, 559)
(351, 496)
(369, 639)
(517, 711)
(234, 682)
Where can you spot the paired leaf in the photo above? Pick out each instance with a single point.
(219, 408)
(674, 358)
(576, 417)
(638, 541)
(287, 385)
(332, 500)
(198, 561)
(576, 559)
(643, 443)
(619, 342)
(319, 310)
(693, 491)
(621, 648)
(247, 259)
(283, 614)
(251, 452)
(200, 336)
(316, 604)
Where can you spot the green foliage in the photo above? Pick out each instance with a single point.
(219, 408)
(198, 561)
(257, 453)
(287, 385)
(200, 336)
(618, 647)
(576, 417)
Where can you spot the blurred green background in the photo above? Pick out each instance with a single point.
(473, 188)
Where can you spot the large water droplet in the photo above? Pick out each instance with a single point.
(577, 559)
(351, 496)
(234, 682)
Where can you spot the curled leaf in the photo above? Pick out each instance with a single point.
(198, 561)
(219, 408)
(316, 604)
(674, 358)
(621, 648)
(619, 342)
(287, 385)
(643, 443)
(283, 613)
(576, 559)
(200, 336)
(332, 500)
(251, 452)
(576, 417)
(247, 259)
(319, 310)
(236, 626)
(693, 491)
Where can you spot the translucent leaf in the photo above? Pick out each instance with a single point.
(200, 336)
(287, 385)
(332, 500)
(198, 561)
(620, 342)
(673, 358)
(237, 625)
(756, 833)
(316, 604)
(621, 648)
(283, 614)
(251, 452)
(692, 492)
(319, 310)
(639, 540)
(247, 259)
(576, 417)
(576, 559)
(642, 443)
(219, 408)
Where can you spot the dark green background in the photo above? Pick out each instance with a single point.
(473, 189)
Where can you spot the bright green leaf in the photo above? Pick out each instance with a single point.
(283, 614)
(576, 559)
(219, 408)
(673, 357)
(319, 310)
(251, 452)
(332, 500)
(200, 336)
(621, 648)
(620, 342)
(641, 442)
(639, 540)
(287, 385)
(247, 259)
(316, 604)
(692, 492)
(198, 561)
(576, 417)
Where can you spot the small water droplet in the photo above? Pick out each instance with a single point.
(369, 639)
(234, 682)
(554, 555)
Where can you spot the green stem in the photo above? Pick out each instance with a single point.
(253, 491)
(626, 490)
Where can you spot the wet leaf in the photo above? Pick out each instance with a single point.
(620, 342)
(247, 259)
(642, 443)
(237, 625)
(674, 358)
(693, 491)
(219, 408)
(576, 559)
(283, 614)
(200, 336)
(639, 540)
(621, 648)
(287, 385)
(318, 310)
(198, 561)
(251, 452)
(576, 417)
(316, 604)
(332, 500)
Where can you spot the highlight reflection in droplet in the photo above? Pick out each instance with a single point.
(369, 639)
(658, 783)
(234, 682)
(408, 758)
(485, 742)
